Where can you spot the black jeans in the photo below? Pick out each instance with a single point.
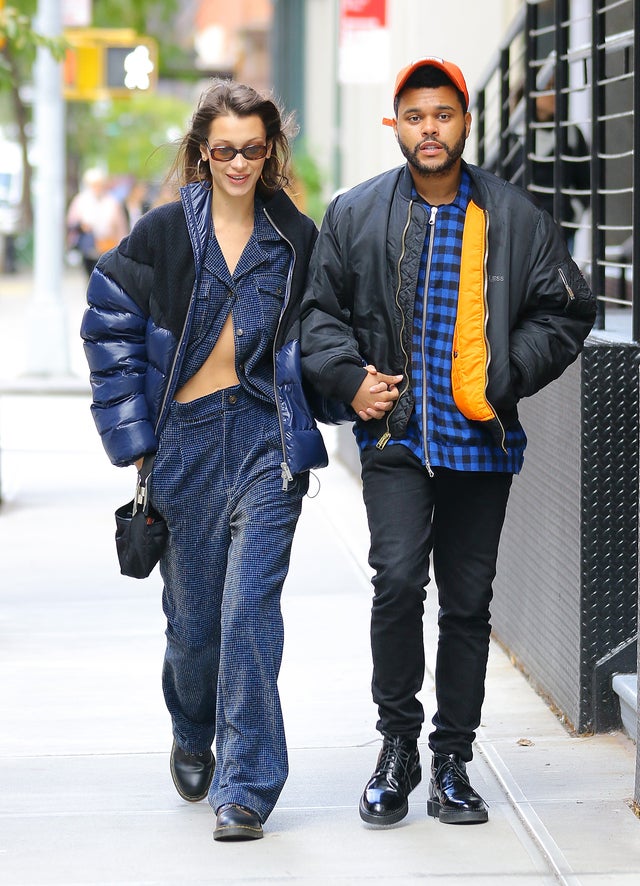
(457, 515)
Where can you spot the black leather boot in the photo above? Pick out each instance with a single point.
(235, 822)
(451, 797)
(397, 773)
(191, 773)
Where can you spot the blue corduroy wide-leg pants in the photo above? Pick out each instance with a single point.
(217, 482)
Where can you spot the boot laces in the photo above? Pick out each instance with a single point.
(458, 767)
(395, 757)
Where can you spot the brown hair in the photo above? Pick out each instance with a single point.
(225, 97)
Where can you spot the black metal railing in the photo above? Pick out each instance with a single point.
(583, 160)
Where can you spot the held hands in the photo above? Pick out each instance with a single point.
(376, 395)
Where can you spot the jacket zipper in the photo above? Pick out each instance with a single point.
(384, 439)
(185, 325)
(287, 476)
(432, 222)
(485, 278)
(570, 291)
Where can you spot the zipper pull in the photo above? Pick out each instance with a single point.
(287, 476)
(432, 217)
(382, 442)
(570, 291)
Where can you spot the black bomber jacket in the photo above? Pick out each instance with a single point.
(524, 308)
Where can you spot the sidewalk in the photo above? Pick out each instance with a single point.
(86, 796)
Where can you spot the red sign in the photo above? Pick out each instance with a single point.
(364, 13)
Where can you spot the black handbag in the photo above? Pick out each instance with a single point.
(141, 533)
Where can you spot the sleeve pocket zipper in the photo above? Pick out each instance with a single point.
(570, 291)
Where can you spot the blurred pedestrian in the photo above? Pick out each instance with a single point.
(192, 340)
(96, 221)
(445, 291)
(136, 202)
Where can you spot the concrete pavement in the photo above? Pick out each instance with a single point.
(85, 792)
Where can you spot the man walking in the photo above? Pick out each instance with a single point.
(439, 295)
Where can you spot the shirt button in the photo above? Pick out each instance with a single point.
(233, 399)
(240, 332)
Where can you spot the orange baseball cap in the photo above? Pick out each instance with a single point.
(452, 71)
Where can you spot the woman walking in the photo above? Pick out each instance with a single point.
(191, 338)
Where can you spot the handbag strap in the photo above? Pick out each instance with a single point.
(141, 498)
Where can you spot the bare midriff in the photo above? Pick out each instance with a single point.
(219, 369)
(217, 372)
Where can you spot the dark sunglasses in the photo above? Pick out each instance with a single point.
(225, 153)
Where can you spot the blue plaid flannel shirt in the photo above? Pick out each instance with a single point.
(451, 440)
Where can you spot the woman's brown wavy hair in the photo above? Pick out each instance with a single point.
(225, 97)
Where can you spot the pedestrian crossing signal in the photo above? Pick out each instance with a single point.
(108, 63)
(131, 68)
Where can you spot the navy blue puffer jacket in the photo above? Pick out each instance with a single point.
(141, 298)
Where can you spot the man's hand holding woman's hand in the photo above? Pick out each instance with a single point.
(376, 395)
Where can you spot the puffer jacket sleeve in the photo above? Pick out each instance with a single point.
(558, 313)
(114, 332)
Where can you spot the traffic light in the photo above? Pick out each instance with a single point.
(108, 63)
(3, 26)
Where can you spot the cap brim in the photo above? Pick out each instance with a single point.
(445, 67)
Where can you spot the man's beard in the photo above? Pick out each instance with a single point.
(453, 155)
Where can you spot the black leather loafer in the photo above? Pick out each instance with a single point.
(451, 797)
(235, 822)
(191, 773)
(397, 773)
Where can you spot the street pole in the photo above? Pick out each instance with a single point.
(47, 350)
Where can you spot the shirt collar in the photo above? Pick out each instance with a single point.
(462, 198)
(263, 229)
(253, 255)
